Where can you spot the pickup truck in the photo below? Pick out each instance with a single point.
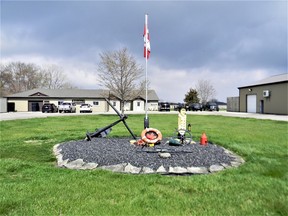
(67, 107)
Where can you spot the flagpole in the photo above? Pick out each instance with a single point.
(146, 120)
(146, 114)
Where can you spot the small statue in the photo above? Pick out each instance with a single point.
(182, 136)
(182, 119)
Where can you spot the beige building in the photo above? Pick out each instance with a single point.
(33, 100)
(269, 96)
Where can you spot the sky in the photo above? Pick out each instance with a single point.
(229, 43)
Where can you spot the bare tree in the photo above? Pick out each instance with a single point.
(205, 90)
(5, 78)
(18, 76)
(119, 72)
(54, 78)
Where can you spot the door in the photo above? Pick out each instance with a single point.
(138, 106)
(11, 107)
(35, 106)
(251, 103)
(262, 106)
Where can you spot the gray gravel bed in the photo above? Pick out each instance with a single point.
(111, 151)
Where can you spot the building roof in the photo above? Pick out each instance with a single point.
(270, 80)
(73, 93)
(151, 95)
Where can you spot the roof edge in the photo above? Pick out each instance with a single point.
(263, 84)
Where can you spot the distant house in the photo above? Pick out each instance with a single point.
(221, 105)
(32, 100)
(269, 96)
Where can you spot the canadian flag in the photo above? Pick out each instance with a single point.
(146, 39)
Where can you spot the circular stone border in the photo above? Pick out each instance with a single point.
(79, 164)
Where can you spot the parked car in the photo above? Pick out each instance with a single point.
(85, 108)
(211, 106)
(49, 108)
(195, 107)
(164, 106)
(67, 107)
(179, 106)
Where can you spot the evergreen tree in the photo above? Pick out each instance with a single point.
(191, 96)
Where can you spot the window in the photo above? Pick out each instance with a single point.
(46, 102)
(138, 103)
(78, 101)
(96, 103)
(114, 103)
(60, 102)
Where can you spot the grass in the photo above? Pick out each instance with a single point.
(30, 184)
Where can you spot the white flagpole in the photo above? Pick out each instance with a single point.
(146, 54)
(146, 120)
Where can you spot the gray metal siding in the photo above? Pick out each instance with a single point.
(276, 103)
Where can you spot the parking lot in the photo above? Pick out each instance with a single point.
(27, 115)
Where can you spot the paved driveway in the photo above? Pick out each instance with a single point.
(27, 115)
(245, 115)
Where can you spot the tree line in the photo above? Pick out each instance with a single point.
(117, 71)
(19, 76)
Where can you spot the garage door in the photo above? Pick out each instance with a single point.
(251, 103)
(35, 106)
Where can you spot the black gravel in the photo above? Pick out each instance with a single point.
(112, 151)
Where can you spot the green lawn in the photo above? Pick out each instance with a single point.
(31, 184)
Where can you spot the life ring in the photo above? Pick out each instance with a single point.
(151, 135)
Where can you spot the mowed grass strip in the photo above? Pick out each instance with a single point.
(31, 184)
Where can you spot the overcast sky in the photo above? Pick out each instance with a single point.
(230, 43)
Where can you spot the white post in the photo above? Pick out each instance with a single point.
(146, 120)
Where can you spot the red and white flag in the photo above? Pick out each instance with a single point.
(146, 39)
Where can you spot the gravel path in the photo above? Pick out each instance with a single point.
(111, 151)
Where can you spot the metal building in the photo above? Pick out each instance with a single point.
(269, 96)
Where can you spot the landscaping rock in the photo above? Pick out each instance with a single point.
(235, 164)
(132, 169)
(177, 170)
(226, 166)
(216, 168)
(197, 170)
(89, 166)
(115, 168)
(161, 169)
(238, 159)
(147, 170)
(164, 154)
(76, 164)
(118, 155)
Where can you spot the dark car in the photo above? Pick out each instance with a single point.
(195, 107)
(211, 106)
(179, 106)
(164, 106)
(49, 108)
